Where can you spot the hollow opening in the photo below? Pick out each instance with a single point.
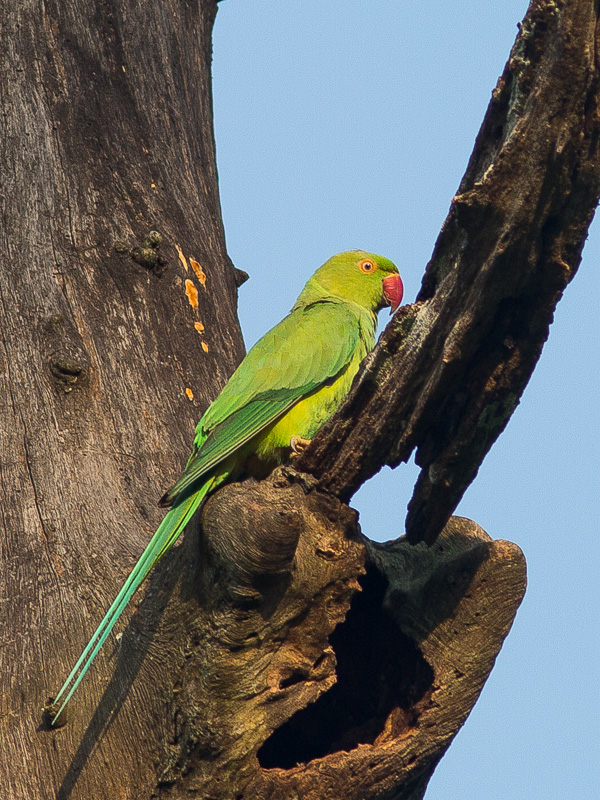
(381, 676)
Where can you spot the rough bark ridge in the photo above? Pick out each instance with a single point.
(234, 677)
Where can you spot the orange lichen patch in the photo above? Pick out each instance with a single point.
(199, 327)
(205, 347)
(192, 294)
(190, 394)
(200, 274)
(182, 258)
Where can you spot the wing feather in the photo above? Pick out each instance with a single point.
(308, 348)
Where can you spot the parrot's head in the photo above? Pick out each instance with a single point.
(367, 279)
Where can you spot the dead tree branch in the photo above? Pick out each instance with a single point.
(448, 374)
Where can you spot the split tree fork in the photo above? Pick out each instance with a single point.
(252, 649)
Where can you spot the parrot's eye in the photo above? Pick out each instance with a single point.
(366, 265)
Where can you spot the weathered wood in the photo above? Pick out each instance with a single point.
(447, 375)
(273, 698)
(106, 135)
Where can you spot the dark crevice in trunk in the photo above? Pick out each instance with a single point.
(381, 674)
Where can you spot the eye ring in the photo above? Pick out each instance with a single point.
(366, 266)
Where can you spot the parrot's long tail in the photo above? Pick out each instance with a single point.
(167, 533)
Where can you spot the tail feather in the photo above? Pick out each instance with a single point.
(166, 534)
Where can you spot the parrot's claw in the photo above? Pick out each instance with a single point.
(298, 445)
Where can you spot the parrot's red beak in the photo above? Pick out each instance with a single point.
(393, 291)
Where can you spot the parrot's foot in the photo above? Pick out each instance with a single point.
(298, 445)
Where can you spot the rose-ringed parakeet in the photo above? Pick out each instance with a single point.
(286, 387)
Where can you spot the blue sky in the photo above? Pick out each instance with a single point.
(345, 125)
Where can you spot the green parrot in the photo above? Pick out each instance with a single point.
(287, 386)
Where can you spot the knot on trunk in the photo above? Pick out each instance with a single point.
(251, 532)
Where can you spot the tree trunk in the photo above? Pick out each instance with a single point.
(280, 653)
(113, 343)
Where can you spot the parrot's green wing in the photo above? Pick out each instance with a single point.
(308, 349)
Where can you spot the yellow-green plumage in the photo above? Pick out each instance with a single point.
(287, 386)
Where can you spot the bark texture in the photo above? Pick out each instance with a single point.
(111, 345)
(279, 654)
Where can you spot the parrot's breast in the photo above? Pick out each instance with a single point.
(272, 446)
